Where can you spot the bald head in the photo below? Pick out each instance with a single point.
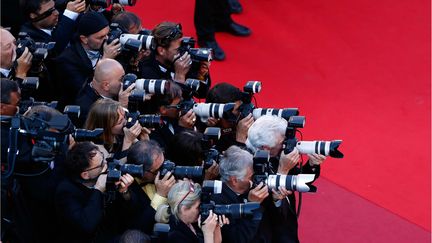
(107, 77)
(7, 48)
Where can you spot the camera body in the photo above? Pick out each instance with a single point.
(197, 54)
(196, 173)
(128, 45)
(250, 88)
(107, 3)
(148, 121)
(39, 50)
(208, 144)
(115, 172)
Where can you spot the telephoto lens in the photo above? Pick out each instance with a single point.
(300, 182)
(147, 41)
(320, 147)
(285, 113)
(252, 87)
(152, 86)
(206, 110)
(150, 121)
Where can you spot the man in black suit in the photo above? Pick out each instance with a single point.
(79, 198)
(106, 84)
(75, 66)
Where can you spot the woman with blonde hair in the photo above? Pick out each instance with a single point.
(182, 213)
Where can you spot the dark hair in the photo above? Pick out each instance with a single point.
(32, 6)
(173, 91)
(134, 236)
(144, 153)
(78, 158)
(43, 112)
(223, 93)
(166, 32)
(126, 20)
(185, 149)
(7, 87)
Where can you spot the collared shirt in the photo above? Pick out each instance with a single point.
(5, 72)
(94, 57)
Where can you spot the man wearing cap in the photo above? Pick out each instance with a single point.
(75, 66)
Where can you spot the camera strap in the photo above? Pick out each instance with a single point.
(13, 148)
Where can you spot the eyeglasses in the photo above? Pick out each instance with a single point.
(44, 14)
(191, 189)
(102, 163)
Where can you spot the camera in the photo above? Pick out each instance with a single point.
(208, 144)
(263, 172)
(327, 148)
(39, 50)
(249, 210)
(130, 45)
(147, 41)
(190, 88)
(107, 3)
(197, 54)
(206, 110)
(148, 121)
(196, 173)
(250, 88)
(151, 86)
(115, 171)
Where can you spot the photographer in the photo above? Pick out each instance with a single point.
(268, 133)
(149, 191)
(110, 115)
(106, 83)
(75, 66)
(45, 25)
(131, 23)
(234, 132)
(8, 69)
(236, 170)
(182, 212)
(167, 62)
(168, 106)
(79, 198)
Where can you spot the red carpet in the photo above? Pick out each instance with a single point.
(359, 71)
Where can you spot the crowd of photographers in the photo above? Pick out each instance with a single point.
(133, 156)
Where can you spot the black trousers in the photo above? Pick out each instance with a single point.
(210, 16)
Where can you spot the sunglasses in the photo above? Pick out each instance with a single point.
(191, 189)
(44, 14)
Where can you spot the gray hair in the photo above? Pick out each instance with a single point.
(264, 131)
(177, 200)
(235, 162)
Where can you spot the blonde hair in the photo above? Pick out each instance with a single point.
(177, 200)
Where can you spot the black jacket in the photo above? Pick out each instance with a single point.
(181, 233)
(85, 99)
(74, 70)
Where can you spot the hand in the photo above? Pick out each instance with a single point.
(316, 159)
(117, 8)
(112, 50)
(123, 95)
(188, 119)
(125, 182)
(130, 134)
(212, 122)
(145, 134)
(209, 225)
(212, 172)
(101, 183)
(288, 161)
(24, 64)
(281, 194)
(77, 6)
(243, 128)
(259, 193)
(181, 67)
(163, 186)
(217, 233)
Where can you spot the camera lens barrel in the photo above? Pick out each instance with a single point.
(252, 87)
(285, 113)
(152, 86)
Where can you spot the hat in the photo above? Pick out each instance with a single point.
(91, 22)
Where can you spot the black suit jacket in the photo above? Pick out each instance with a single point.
(74, 70)
(85, 99)
(181, 233)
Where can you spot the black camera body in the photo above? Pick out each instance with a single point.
(128, 45)
(208, 144)
(115, 172)
(250, 88)
(39, 50)
(249, 210)
(148, 121)
(196, 173)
